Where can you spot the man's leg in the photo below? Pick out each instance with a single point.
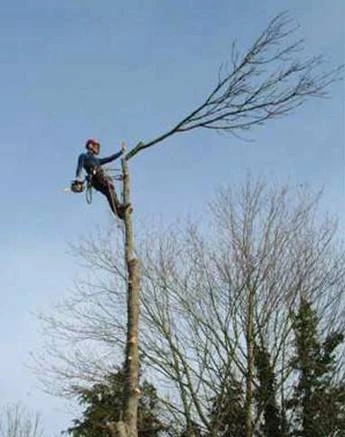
(113, 200)
(106, 187)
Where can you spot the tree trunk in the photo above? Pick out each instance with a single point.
(250, 365)
(128, 426)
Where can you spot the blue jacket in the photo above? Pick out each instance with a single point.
(90, 163)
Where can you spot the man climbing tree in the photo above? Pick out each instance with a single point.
(96, 175)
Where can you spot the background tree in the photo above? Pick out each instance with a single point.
(103, 405)
(266, 396)
(266, 252)
(319, 399)
(195, 301)
(227, 411)
(17, 421)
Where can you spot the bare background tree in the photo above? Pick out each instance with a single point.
(17, 421)
(212, 303)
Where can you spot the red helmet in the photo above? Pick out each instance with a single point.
(92, 141)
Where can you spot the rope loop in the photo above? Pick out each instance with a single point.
(88, 192)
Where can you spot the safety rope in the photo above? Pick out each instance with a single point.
(110, 172)
(88, 192)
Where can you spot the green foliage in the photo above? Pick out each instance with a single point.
(318, 402)
(103, 404)
(227, 414)
(317, 406)
(265, 395)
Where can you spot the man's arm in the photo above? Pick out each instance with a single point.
(110, 158)
(79, 166)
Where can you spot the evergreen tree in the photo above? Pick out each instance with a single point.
(318, 402)
(103, 405)
(227, 415)
(265, 395)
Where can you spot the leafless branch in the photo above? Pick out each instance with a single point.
(268, 81)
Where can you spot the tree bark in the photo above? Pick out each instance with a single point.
(250, 364)
(128, 426)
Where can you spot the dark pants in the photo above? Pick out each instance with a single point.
(105, 185)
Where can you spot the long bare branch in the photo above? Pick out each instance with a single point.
(267, 82)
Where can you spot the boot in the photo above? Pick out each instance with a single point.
(120, 209)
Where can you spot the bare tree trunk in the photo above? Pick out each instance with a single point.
(250, 365)
(128, 426)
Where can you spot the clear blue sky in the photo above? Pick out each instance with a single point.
(72, 69)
